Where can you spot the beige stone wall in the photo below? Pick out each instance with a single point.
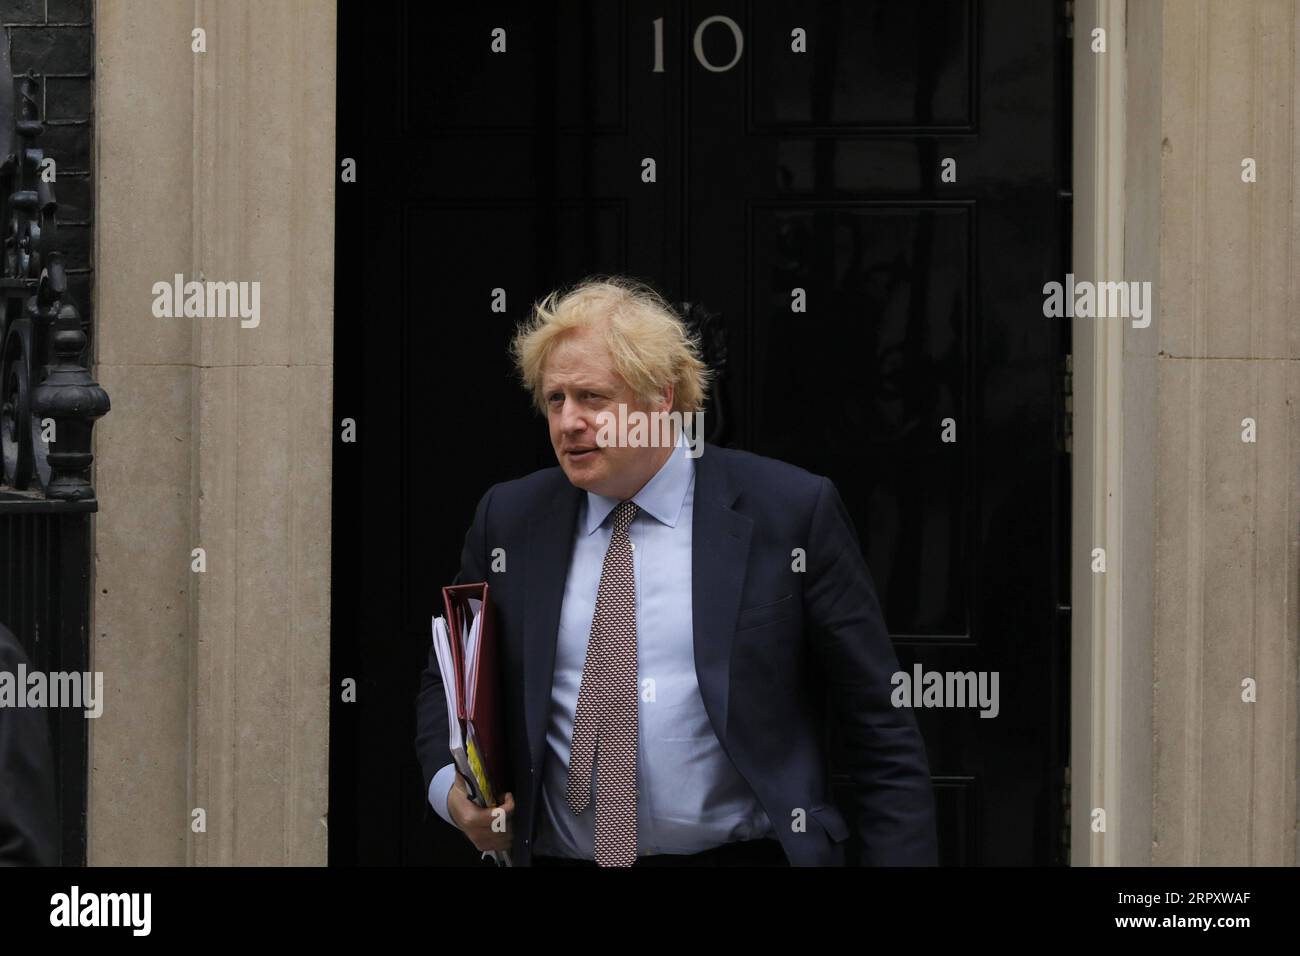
(1224, 347)
(220, 166)
(1201, 529)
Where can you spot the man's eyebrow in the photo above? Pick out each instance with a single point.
(578, 386)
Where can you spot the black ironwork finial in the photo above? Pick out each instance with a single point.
(70, 400)
(48, 401)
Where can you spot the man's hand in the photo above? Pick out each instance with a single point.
(476, 822)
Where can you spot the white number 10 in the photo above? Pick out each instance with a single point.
(698, 43)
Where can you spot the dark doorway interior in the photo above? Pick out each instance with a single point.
(781, 171)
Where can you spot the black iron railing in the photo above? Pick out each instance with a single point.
(48, 407)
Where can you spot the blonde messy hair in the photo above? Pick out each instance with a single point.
(650, 345)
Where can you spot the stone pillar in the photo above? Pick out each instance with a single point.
(1224, 348)
(1201, 529)
(217, 165)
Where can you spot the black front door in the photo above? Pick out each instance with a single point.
(871, 195)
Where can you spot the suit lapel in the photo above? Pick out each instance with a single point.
(550, 550)
(719, 554)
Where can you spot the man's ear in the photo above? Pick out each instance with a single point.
(667, 399)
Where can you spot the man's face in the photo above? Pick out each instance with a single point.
(579, 383)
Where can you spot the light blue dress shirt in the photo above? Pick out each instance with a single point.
(689, 796)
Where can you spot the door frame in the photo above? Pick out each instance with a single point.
(1111, 620)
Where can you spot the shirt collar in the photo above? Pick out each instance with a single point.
(662, 496)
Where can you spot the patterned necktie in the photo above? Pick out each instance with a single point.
(607, 705)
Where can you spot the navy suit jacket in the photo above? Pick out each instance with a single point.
(778, 645)
(29, 826)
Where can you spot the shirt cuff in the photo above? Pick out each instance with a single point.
(440, 789)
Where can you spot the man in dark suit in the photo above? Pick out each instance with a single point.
(674, 622)
(28, 822)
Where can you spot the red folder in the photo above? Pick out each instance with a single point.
(485, 717)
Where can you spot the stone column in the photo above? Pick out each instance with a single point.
(1187, 435)
(1224, 347)
(218, 165)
